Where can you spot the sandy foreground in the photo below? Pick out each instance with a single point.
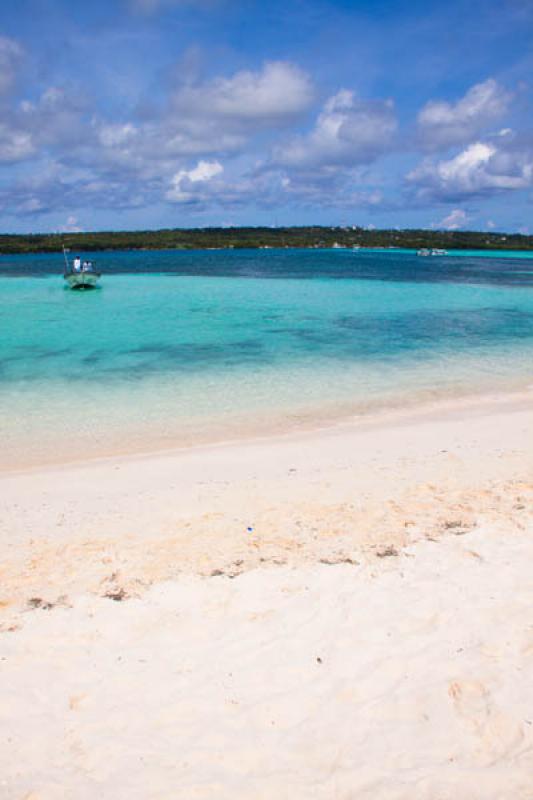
(346, 614)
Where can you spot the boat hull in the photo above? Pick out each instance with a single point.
(82, 280)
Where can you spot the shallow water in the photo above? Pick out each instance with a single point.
(186, 346)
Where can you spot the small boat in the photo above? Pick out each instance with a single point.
(80, 276)
(438, 252)
(423, 252)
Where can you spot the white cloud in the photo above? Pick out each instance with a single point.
(57, 120)
(454, 220)
(184, 187)
(15, 145)
(113, 135)
(442, 124)
(329, 166)
(279, 91)
(80, 157)
(71, 226)
(214, 118)
(328, 188)
(52, 185)
(348, 131)
(481, 168)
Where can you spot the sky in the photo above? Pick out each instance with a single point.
(143, 114)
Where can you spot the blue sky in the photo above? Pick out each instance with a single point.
(134, 114)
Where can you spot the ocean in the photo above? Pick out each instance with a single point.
(180, 347)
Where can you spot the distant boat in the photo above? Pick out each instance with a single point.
(80, 275)
(423, 252)
(437, 252)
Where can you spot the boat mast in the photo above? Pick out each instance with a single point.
(65, 251)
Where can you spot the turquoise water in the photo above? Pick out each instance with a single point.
(184, 347)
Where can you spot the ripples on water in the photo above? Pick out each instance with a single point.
(174, 337)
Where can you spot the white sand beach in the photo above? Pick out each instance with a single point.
(344, 613)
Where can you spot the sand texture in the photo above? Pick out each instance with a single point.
(339, 614)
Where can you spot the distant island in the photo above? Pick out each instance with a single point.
(214, 238)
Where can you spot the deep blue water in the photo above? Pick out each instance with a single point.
(490, 267)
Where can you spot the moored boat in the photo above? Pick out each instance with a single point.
(80, 276)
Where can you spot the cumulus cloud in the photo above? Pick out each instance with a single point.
(185, 183)
(325, 167)
(211, 118)
(442, 124)
(52, 185)
(116, 134)
(348, 131)
(71, 225)
(454, 220)
(15, 145)
(328, 166)
(206, 185)
(59, 118)
(278, 92)
(83, 158)
(480, 169)
(214, 118)
(327, 188)
(56, 120)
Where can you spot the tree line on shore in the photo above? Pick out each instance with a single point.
(259, 237)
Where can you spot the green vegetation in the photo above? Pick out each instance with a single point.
(203, 238)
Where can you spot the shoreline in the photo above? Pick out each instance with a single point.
(297, 425)
(329, 241)
(327, 609)
(334, 493)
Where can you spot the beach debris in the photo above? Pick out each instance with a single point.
(117, 595)
(250, 530)
(38, 602)
(341, 560)
(458, 526)
(216, 573)
(319, 660)
(9, 628)
(390, 550)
